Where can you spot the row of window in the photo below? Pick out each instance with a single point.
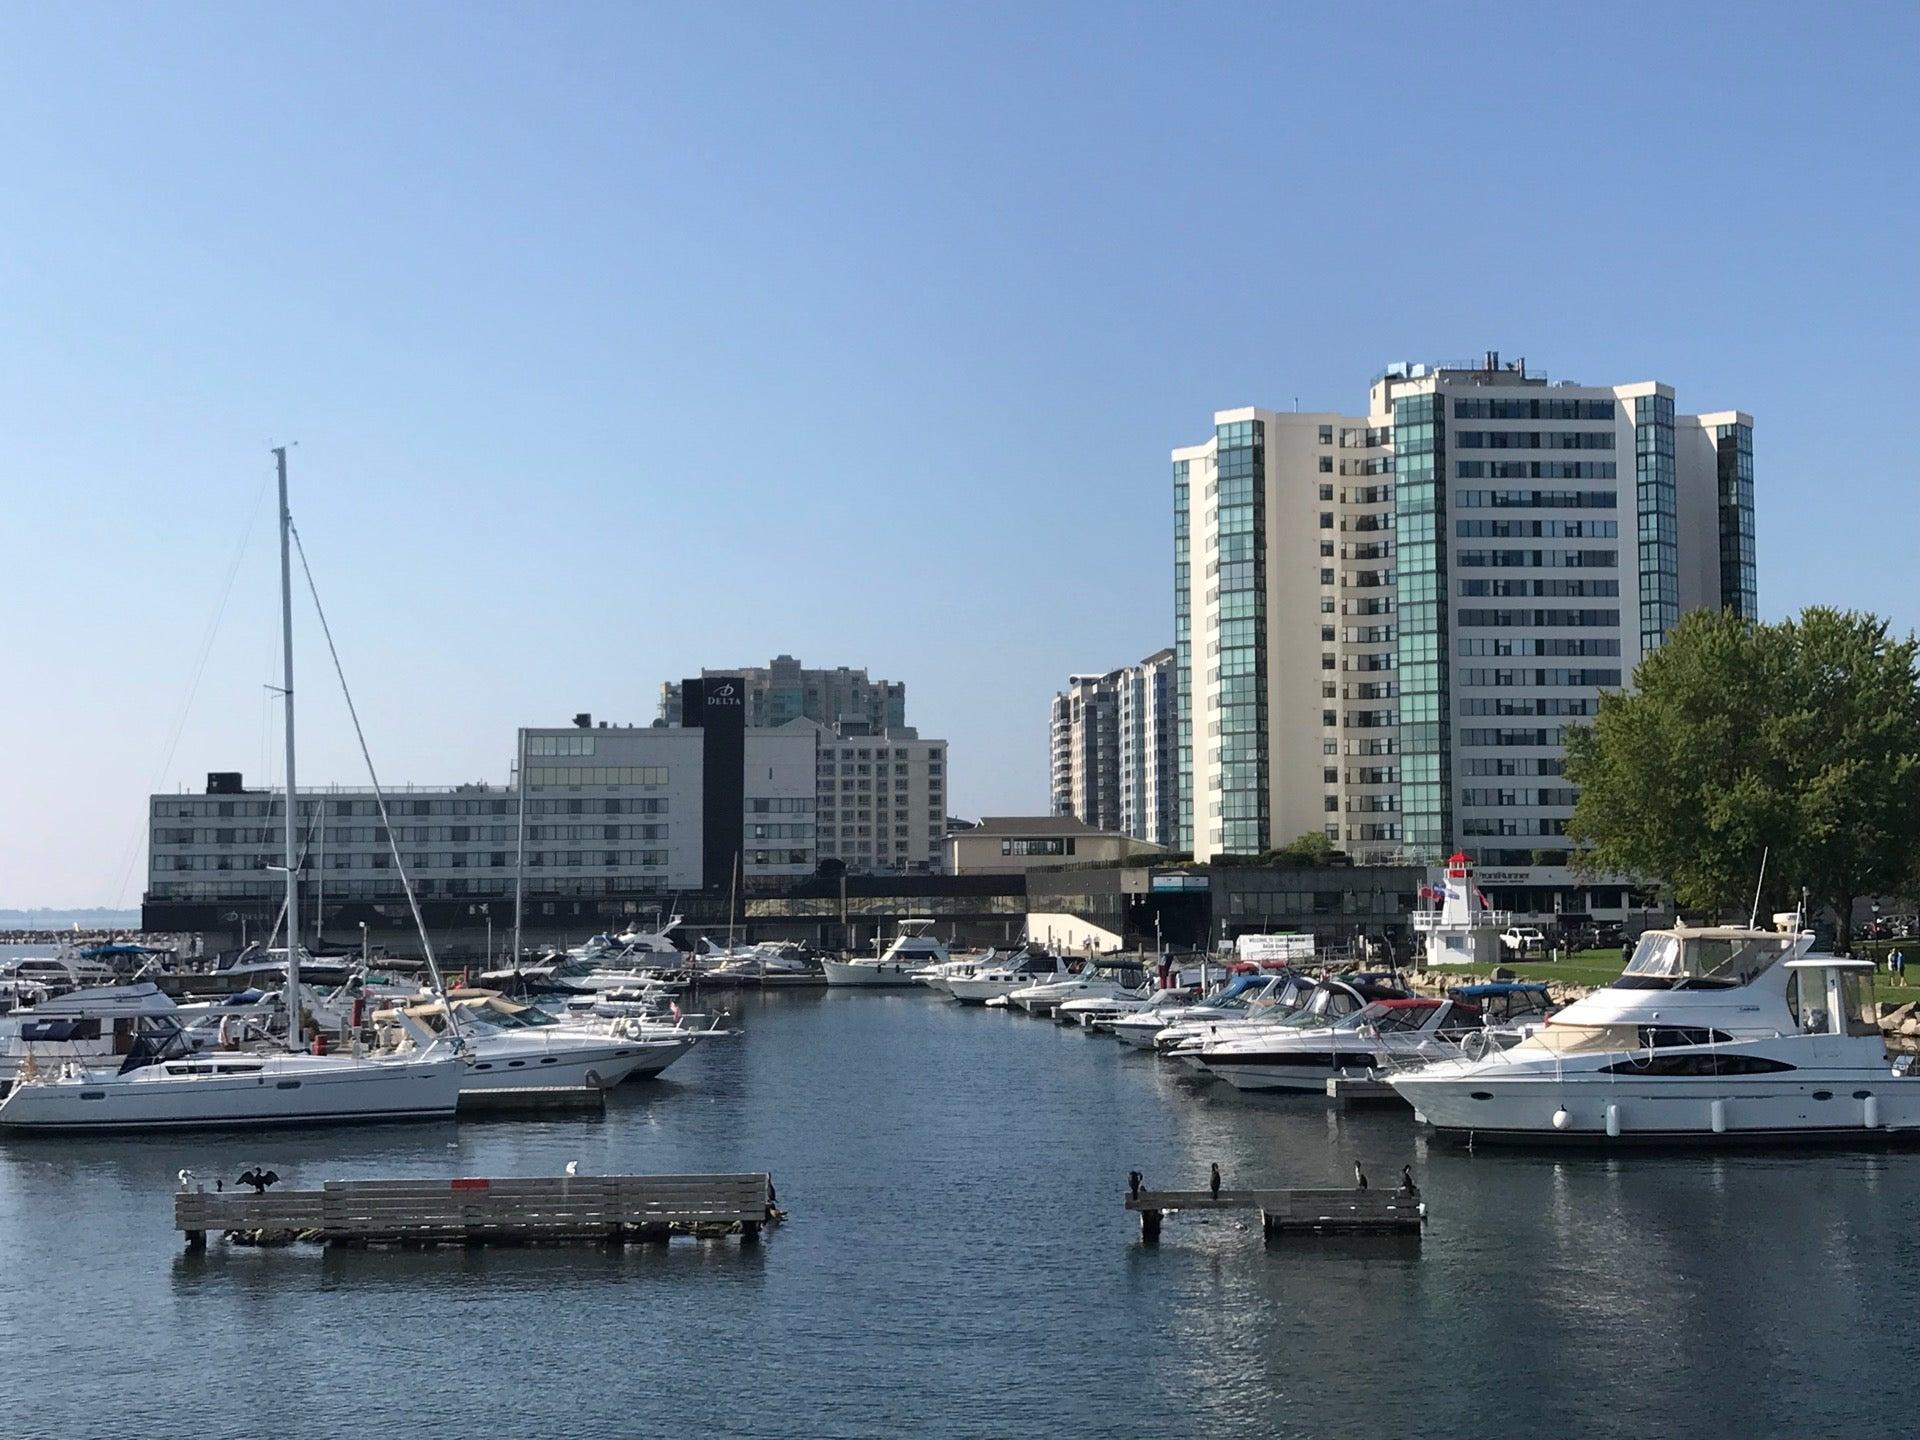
(1511, 799)
(1539, 619)
(1537, 529)
(1536, 499)
(1509, 825)
(597, 775)
(1535, 470)
(546, 747)
(1523, 765)
(1537, 408)
(1528, 705)
(335, 808)
(1533, 439)
(1534, 645)
(1546, 588)
(1546, 735)
(1476, 675)
(1539, 559)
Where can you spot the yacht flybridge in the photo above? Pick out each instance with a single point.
(1709, 1036)
(914, 949)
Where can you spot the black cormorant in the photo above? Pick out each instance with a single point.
(1359, 1176)
(1213, 1181)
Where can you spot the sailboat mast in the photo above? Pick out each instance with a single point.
(292, 801)
(520, 847)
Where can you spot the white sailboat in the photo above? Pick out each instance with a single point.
(160, 1083)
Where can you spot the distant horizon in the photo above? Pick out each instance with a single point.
(619, 340)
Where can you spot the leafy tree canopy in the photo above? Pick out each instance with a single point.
(1800, 739)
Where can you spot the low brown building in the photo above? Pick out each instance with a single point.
(1015, 844)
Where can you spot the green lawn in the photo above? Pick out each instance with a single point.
(1583, 967)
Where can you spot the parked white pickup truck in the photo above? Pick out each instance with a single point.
(1522, 939)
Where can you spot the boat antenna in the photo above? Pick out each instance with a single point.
(294, 1026)
(1753, 920)
(379, 795)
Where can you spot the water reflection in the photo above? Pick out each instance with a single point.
(959, 1263)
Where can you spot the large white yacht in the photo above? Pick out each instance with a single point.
(1709, 1036)
(913, 950)
(1283, 1057)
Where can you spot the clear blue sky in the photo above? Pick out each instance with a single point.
(619, 339)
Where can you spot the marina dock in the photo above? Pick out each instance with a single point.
(1289, 1212)
(602, 1209)
(1345, 1090)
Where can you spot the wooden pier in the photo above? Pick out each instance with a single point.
(1291, 1212)
(606, 1209)
(1346, 1090)
(539, 1099)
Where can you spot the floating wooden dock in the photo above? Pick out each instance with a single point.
(609, 1209)
(525, 1098)
(1288, 1212)
(1362, 1090)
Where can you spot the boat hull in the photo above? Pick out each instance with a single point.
(597, 1065)
(1818, 1106)
(310, 1095)
(871, 974)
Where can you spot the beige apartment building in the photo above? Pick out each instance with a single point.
(1385, 621)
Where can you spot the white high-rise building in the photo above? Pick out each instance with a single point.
(1384, 622)
(1114, 757)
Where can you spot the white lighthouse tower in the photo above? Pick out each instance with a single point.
(1455, 921)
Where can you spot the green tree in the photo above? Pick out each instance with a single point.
(1799, 739)
(1312, 848)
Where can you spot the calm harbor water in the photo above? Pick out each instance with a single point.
(958, 1263)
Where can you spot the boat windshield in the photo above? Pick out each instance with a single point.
(1668, 960)
(1384, 1018)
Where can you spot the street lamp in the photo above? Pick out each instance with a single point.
(363, 945)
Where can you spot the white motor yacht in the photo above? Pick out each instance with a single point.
(1710, 1035)
(1098, 1012)
(514, 1046)
(913, 950)
(34, 978)
(1157, 1011)
(1286, 1057)
(96, 1025)
(1246, 995)
(1013, 972)
(938, 977)
(1097, 979)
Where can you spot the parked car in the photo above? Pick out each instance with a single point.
(1522, 939)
